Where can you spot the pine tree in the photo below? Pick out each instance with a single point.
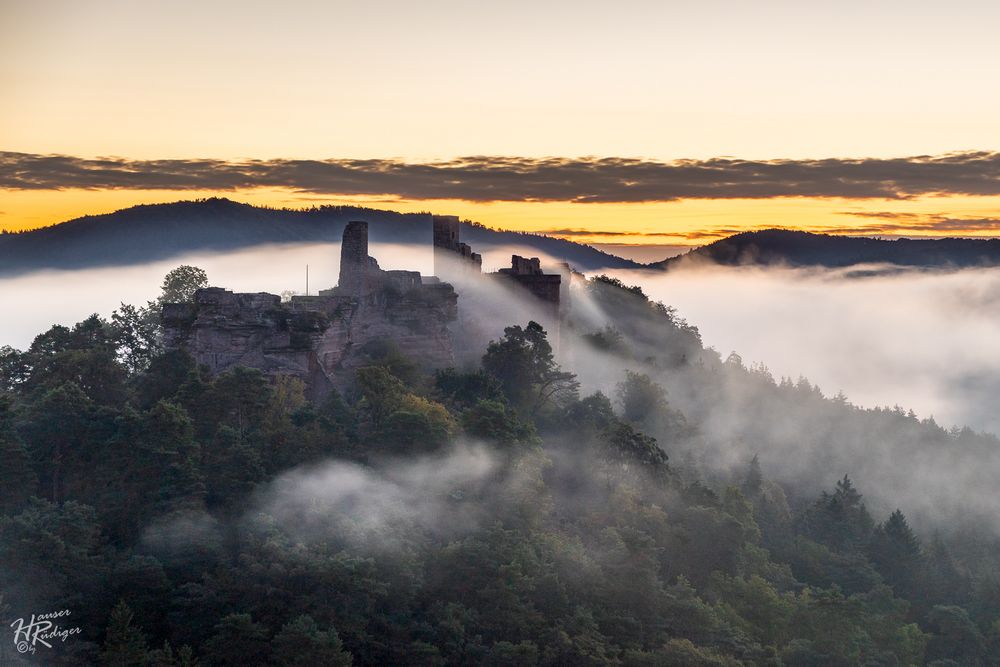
(840, 520)
(901, 536)
(753, 480)
(124, 643)
(895, 552)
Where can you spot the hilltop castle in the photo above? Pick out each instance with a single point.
(322, 339)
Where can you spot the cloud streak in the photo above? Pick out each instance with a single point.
(598, 232)
(485, 178)
(891, 222)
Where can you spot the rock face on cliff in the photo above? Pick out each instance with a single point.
(320, 339)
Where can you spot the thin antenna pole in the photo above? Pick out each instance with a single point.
(307, 280)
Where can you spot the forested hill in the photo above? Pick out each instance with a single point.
(792, 248)
(511, 513)
(153, 232)
(642, 502)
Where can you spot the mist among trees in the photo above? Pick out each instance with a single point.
(638, 502)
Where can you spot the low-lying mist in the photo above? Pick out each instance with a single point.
(918, 339)
(921, 340)
(373, 508)
(32, 303)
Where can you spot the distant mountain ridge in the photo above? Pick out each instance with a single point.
(153, 232)
(775, 247)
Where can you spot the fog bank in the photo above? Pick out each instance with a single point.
(922, 340)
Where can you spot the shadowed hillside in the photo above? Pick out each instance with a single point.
(792, 248)
(152, 232)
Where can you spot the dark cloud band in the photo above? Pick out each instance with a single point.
(482, 178)
(891, 222)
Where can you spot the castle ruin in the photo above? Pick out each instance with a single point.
(322, 339)
(455, 259)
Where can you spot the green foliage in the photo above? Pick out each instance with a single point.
(163, 377)
(493, 421)
(181, 283)
(386, 353)
(14, 368)
(301, 643)
(640, 397)
(398, 421)
(895, 552)
(839, 520)
(124, 643)
(17, 479)
(51, 554)
(168, 657)
(233, 465)
(381, 393)
(466, 389)
(58, 430)
(954, 637)
(153, 468)
(85, 356)
(616, 283)
(136, 332)
(572, 543)
(523, 362)
(623, 446)
(678, 652)
(651, 331)
(608, 340)
(238, 641)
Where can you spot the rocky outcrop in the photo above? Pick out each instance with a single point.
(222, 329)
(320, 339)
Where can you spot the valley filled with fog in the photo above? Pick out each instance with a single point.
(920, 340)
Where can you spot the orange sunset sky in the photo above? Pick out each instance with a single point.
(662, 123)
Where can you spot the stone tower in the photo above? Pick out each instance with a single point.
(445, 242)
(451, 256)
(354, 259)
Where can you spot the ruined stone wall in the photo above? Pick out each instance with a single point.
(522, 266)
(456, 262)
(566, 279)
(222, 329)
(529, 275)
(544, 286)
(320, 339)
(451, 256)
(416, 321)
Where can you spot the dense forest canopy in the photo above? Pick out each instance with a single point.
(636, 501)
